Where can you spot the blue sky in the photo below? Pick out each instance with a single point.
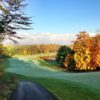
(64, 16)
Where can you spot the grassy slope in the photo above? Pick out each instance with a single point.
(73, 86)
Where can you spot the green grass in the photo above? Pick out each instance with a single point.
(64, 85)
(50, 64)
(66, 90)
(35, 56)
(33, 69)
(63, 89)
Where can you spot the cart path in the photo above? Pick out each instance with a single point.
(31, 91)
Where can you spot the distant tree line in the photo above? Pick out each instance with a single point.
(30, 49)
(83, 55)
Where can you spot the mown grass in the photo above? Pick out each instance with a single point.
(35, 56)
(50, 64)
(34, 69)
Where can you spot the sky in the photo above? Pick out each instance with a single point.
(58, 21)
(64, 16)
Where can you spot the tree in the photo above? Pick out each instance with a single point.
(8, 50)
(61, 54)
(83, 39)
(95, 61)
(1, 49)
(82, 59)
(69, 60)
(82, 47)
(12, 18)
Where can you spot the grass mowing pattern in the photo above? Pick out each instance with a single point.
(32, 69)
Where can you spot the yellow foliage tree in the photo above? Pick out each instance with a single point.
(8, 50)
(82, 59)
(82, 56)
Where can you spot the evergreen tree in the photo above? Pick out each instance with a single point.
(61, 54)
(12, 18)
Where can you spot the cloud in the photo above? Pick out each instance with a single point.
(92, 34)
(43, 38)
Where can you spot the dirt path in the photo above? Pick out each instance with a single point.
(31, 91)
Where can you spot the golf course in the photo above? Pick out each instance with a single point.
(49, 49)
(63, 84)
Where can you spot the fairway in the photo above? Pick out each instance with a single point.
(32, 68)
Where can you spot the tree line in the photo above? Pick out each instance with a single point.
(29, 49)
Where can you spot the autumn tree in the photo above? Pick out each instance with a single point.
(83, 39)
(69, 63)
(12, 18)
(9, 50)
(1, 49)
(95, 61)
(82, 47)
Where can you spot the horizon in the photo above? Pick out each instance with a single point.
(44, 38)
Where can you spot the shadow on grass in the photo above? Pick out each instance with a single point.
(51, 64)
(4, 63)
(31, 68)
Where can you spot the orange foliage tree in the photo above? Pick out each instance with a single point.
(95, 61)
(69, 61)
